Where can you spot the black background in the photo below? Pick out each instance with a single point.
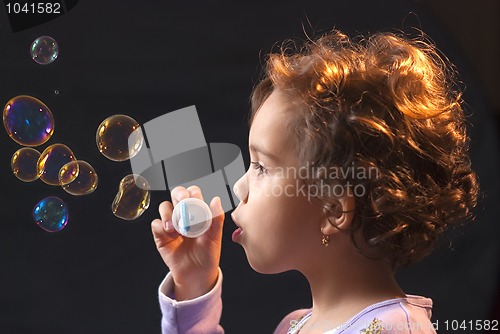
(144, 59)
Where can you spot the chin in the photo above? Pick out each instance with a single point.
(263, 266)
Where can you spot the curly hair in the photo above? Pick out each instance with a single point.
(387, 102)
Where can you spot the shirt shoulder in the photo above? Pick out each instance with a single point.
(396, 316)
(291, 320)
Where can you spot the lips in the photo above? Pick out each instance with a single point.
(237, 233)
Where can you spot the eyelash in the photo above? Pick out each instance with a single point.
(260, 168)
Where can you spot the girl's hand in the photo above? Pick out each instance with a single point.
(193, 263)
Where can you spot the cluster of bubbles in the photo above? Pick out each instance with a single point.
(30, 123)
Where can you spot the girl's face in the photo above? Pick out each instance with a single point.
(280, 226)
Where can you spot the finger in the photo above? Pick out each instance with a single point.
(215, 230)
(178, 194)
(195, 192)
(161, 236)
(165, 209)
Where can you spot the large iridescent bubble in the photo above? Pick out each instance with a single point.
(28, 121)
(133, 197)
(24, 164)
(51, 161)
(44, 50)
(85, 181)
(112, 137)
(51, 214)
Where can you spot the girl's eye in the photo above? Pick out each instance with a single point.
(260, 168)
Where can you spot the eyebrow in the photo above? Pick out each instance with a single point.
(261, 150)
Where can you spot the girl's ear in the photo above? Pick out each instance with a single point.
(340, 213)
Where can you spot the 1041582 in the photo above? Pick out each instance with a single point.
(469, 325)
(33, 8)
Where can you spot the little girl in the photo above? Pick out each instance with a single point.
(358, 163)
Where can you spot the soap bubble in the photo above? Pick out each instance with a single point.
(52, 159)
(69, 172)
(23, 164)
(51, 214)
(44, 50)
(113, 134)
(78, 178)
(132, 198)
(28, 121)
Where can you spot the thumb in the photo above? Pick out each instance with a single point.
(215, 231)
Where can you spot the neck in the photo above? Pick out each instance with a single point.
(344, 286)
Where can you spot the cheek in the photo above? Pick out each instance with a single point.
(277, 203)
(279, 235)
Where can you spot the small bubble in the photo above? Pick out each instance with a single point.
(112, 137)
(24, 162)
(28, 121)
(133, 197)
(44, 50)
(78, 178)
(51, 214)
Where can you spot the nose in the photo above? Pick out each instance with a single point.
(241, 188)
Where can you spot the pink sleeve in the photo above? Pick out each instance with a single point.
(199, 315)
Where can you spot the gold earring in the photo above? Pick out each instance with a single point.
(325, 240)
